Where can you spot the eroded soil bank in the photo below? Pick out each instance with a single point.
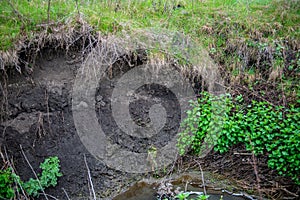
(40, 122)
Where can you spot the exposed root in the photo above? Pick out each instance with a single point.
(75, 33)
(9, 58)
(25, 157)
(250, 174)
(156, 49)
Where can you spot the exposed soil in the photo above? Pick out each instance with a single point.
(40, 120)
(139, 108)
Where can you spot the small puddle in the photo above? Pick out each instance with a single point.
(148, 189)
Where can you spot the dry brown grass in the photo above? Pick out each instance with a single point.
(72, 34)
(164, 49)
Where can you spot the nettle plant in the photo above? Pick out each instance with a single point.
(261, 127)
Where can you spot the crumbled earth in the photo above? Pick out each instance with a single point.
(40, 122)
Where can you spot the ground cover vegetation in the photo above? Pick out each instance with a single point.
(261, 127)
(11, 183)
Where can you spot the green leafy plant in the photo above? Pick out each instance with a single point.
(182, 195)
(186, 195)
(199, 124)
(6, 184)
(50, 173)
(202, 197)
(260, 126)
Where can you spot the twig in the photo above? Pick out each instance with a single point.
(53, 197)
(195, 193)
(172, 168)
(239, 194)
(258, 96)
(202, 177)
(281, 81)
(290, 193)
(66, 193)
(256, 174)
(254, 164)
(90, 178)
(43, 192)
(282, 91)
(243, 154)
(13, 171)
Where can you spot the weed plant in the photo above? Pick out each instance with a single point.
(261, 127)
(9, 181)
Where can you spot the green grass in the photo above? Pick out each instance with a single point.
(237, 18)
(237, 33)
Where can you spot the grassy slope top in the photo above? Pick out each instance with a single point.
(254, 19)
(250, 39)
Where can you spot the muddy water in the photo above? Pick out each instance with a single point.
(145, 191)
(191, 182)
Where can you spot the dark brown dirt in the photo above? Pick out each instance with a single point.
(40, 120)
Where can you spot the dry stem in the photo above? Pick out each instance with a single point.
(90, 178)
(24, 155)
